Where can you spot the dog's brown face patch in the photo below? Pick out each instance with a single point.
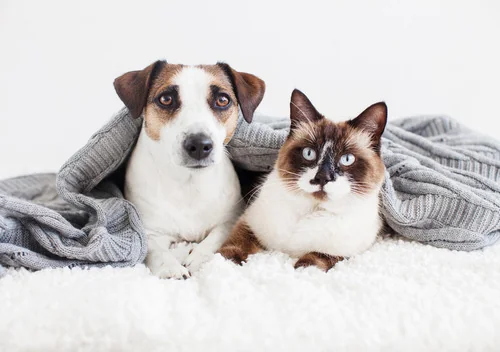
(161, 90)
(330, 142)
(222, 99)
(155, 93)
(164, 99)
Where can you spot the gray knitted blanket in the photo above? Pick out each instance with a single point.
(442, 188)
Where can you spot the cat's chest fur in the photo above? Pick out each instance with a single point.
(296, 224)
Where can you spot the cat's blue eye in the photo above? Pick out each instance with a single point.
(309, 154)
(347, 159)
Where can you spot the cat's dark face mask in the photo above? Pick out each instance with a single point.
(332, 160)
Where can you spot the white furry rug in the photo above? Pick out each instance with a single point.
(397, 296)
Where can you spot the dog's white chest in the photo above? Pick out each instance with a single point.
(181, 206)
(296, 225)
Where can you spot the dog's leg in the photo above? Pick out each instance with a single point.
(160, 259)
(206, 248)
(240, 244)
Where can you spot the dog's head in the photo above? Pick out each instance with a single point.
(190, 112)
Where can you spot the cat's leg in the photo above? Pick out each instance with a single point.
(206, 248)
(161, 261)
(321, 260)
(240, 244)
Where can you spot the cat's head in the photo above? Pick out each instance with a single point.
(329, 160)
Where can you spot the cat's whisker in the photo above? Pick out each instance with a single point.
(256, 190)
(253, 192)
(290, 185)
(360, 182)
(358, 192)
(289, 172)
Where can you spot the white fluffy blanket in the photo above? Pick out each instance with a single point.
(397, 296)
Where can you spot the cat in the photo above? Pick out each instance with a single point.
(320, 203)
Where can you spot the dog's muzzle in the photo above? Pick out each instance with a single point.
(198, 146)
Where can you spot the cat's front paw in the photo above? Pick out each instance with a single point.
(303, 263)
(233, 253)
(167, 267)
(322, 261)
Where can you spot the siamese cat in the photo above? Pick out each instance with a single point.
(321, 201)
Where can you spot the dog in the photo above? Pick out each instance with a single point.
(179, 175)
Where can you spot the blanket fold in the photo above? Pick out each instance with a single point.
(441, 188)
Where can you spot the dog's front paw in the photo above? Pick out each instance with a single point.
(172, 272)
(197, 258)
(168, 268)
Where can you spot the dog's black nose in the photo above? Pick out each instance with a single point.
(198, 146)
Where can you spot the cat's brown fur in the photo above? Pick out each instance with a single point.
(346, 136)
(330, 141)
(240, 244)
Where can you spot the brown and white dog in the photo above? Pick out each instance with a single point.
(179, 175)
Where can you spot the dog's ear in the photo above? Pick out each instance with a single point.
(133, 87)
(248, 88)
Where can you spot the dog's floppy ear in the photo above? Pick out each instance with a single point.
(133, 87)
(248, 88)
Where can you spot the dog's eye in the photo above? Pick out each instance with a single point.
(222, 100)
(166, 99)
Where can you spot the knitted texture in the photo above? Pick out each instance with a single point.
(78, 217)
(441, 188)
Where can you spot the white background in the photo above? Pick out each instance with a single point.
(58, 60)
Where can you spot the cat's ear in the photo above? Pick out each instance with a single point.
(302, 110)
(372, 120)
